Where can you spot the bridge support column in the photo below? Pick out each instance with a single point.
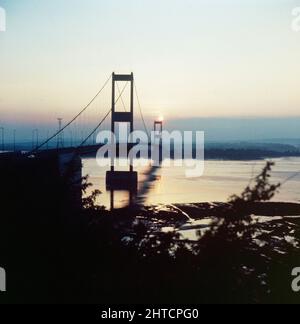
(121, 180)
(157, 147)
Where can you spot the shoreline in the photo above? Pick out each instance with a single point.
(197, 211)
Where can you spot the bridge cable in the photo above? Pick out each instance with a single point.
(75, 153)
(102, 121)
(122, 96)
(141, 112)
(73, 119)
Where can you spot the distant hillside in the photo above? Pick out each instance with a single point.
(276, 147)
(246, 154)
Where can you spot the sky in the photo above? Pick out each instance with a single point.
(192, 59)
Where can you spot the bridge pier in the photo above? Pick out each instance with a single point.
(121, 180)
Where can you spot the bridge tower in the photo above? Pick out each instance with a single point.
(158, 127)
(60, 137)
(157, 151)
(121, 180)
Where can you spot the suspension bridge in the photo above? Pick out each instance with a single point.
(115, 180)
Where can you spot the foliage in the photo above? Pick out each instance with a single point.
(89, 202)
(228, 264)
(94, 256)
(262, 191)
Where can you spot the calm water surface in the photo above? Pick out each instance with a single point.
(221, 179)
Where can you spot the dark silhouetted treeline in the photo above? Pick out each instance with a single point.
(56, 253)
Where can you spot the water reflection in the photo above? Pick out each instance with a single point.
(168, 184)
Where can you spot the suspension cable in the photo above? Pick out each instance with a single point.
(94, 130)
(102, 121)
(122, 96)
(72, 120)
(141, 112)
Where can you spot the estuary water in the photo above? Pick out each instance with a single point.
(220, 180)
